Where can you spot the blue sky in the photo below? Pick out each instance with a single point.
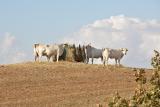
(50, 21)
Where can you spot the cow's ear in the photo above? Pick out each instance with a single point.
(36, 45)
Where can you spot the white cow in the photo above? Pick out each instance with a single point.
(48, 51)
(39, 51)
(116, 54)
(54, 51)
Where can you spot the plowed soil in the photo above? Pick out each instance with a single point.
(63, 84)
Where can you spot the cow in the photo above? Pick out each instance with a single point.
(116, 54)
(48, 51)
(92, 52)
(54, 51)
(39, 51)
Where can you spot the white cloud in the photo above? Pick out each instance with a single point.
(10, 52)
(139, 36)
(7, 42)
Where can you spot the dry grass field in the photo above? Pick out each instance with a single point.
(63, 84)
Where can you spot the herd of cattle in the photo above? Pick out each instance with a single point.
(83, 53)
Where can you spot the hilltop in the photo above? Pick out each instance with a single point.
(63, 84)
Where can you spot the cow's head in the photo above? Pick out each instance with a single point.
(88, 46)
(124, 50)
(36, 45)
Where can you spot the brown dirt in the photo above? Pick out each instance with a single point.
(63, 84)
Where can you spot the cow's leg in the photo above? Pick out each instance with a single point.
(101, 58)
(39, 58)
(116, 61)
(35, 58)
(104, 60)
(57, 56)
(87, 60)
(92, 60)
(107, 60)
(53, 58)
(48, 58)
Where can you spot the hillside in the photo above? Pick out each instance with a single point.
(62, 84)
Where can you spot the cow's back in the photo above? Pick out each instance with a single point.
(51, 50)
(54, 50)
(115, 53)
(93, 52)
(97, 53)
